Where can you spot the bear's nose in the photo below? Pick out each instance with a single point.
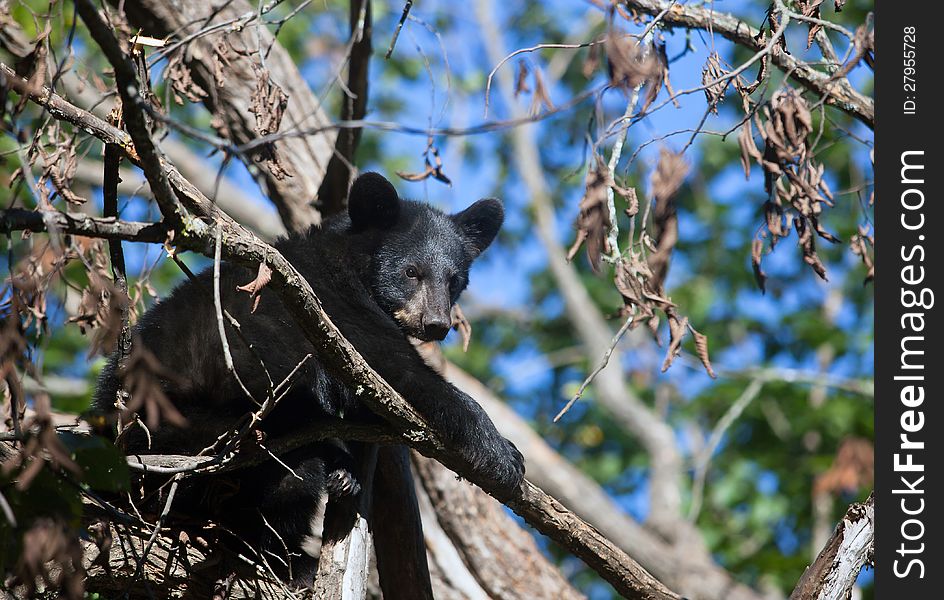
(435, 328)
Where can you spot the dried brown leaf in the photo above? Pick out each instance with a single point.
(254, 287)
(852, 470)
(51, 554)
(864, 44)
(807, 244)
(629, 64)
(712, 71)
(748, 148)
(540, 96)
(462, 325)
(592, 61)
(593, 221)
(757, 250)
(677, 328)
(628, 274)
(32, 67)
(521, 79)
(178, 74)
(701, 348)
(658, 79)
(669, 175)
(143, 377)
(629, 194)
(268, 104)
(434, 167)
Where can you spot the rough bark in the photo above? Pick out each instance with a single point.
(502, 557)
(346, 539)
(15, 219)
(304, 160)
(833, 574)
(451, 578)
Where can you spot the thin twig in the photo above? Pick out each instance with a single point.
(396, 32)
(600, 367)
(704, 457)
(491, 74)
(175, 482)
(218, 305)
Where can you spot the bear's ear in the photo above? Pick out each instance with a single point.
(480, 222)
(372, 202)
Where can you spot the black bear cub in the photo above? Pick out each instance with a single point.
(388, 269)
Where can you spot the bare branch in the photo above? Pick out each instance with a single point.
(64, 111)
(839, 93)
(723, 424)
(134, 112)
(18, 219)
(396, 33)
(402, 562)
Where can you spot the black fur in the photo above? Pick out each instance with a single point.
(391, 268)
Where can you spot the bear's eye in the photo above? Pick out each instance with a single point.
(412, 273)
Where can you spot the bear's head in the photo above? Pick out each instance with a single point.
(419, 256)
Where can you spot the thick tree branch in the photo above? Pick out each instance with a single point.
(134, 112)
(63, 110)
(236, 201)
(833, 574)
(18, 219)
(679, 566)
(398, 530)
(499, 555)
(337, 180)
(838, 93)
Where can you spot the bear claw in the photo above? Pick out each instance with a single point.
(341, 483)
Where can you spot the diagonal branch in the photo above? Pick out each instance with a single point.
(834, 572)
(838, 93)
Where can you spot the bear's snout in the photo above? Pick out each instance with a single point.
(436, 327)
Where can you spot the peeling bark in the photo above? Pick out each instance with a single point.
(833, 574)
